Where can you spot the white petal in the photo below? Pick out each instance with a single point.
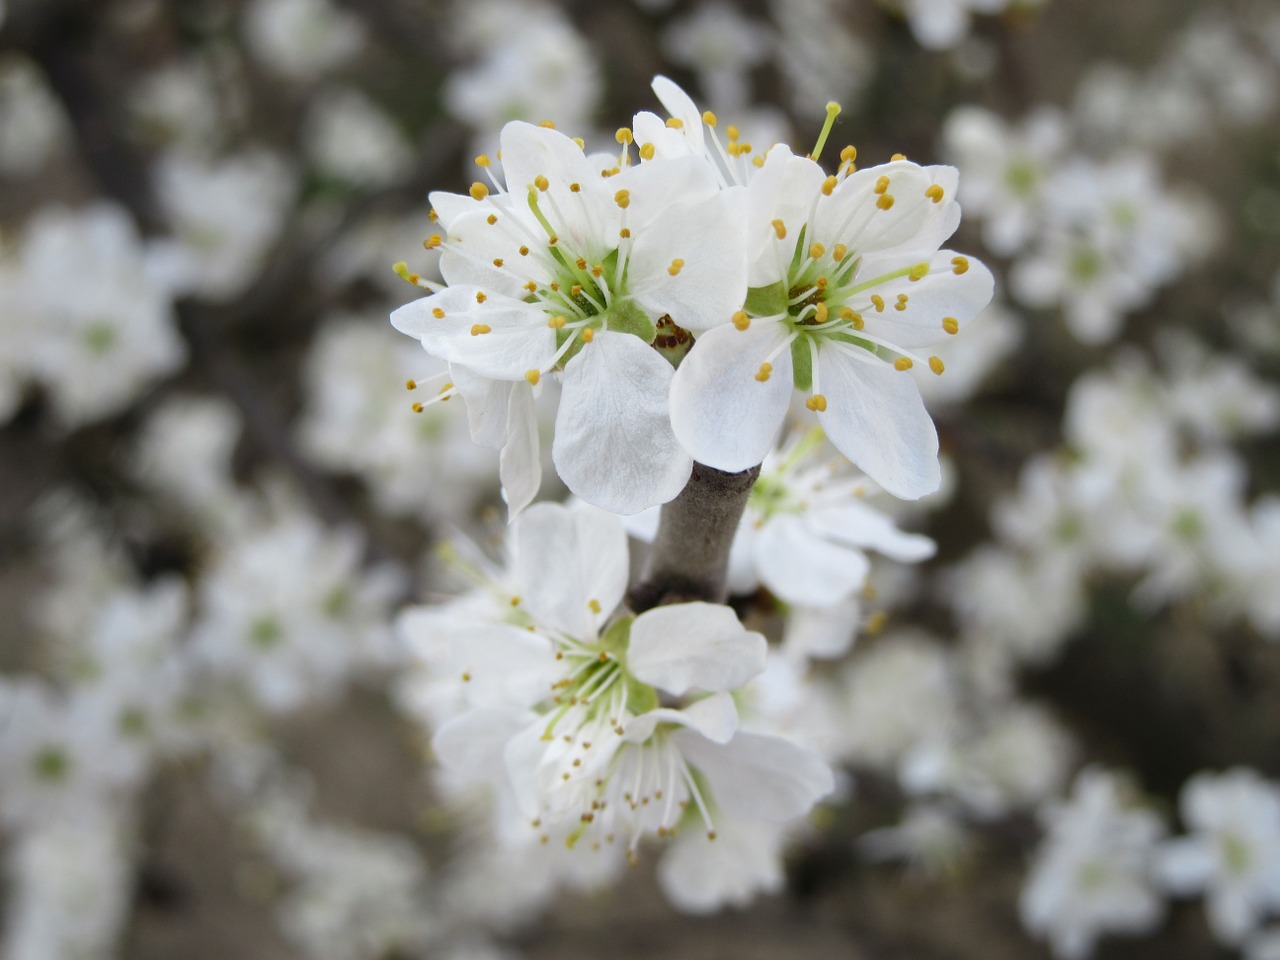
(876, 418)
(472, 744)
(714, 717)
(519, 465)
(723, 415)
(759, 777)
(941, 293)
(518, 340)
(851, 214)
(801, 567)
(862, 526)
(709, 237)
(487, 401)
(701, 875)
(501, 664)
(565, 559)
(522, 756)
(694, 646)
(681, 106)
(614, 446)
(784, 190)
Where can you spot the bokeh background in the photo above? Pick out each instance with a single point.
(215, 497)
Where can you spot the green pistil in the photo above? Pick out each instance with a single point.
(52, 764)
(833, 111)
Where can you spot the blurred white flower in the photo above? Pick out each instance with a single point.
(301, 39)
(350, 138)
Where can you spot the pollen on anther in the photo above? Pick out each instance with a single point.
(622, 198)
(533, 376)
(898, 156)
(855, 319)
(623, 135)
(575, 188)
(676, 266)
(763, 373)
(817, 403)
(480, 328)
(849, 154)
(780, 229)
(624, 233)
(936, 365)
(466, 678)
(647, 150)
(482, 161)
(934, 193)
(902, 303)
(437, 313)
(829, 185)
(885, 202)
(877, 301)
(741, 320)
(588, 335)
(524, 251)
(838, 252)
(432, 241)
(541, 182)
(959, 265)
(491, 219)
(497, 261)
(903, 363)
(478, 191)
(919, 271)
(820, 312)
(480, 296)
(709, 118)
(417, 408)
(951, 325)
(675, 123)
(555, 323)
(816, 250)
(882, 185)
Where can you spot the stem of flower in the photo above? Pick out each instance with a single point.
(690, 557)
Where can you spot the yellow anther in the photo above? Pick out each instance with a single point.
(575, 290)
(478, 191)
(445, 389)
(876, 623)
(854, 318)
(898, 156)
(533, 376)
(732, 132)
(588, 334)
(936, 365)
(675, 123)
(581, 263)
(432, 215)
(780, 229)
(820, 312)
(882, 184)
(828, 185)
(647, 151)
(676, 266)
(885, 201)
(919, 271)
(532, 286)
(541, 182)
(821, 283)
(622, 198)
(552, 240)
(849, 154)
(959, 265)
(417, 408)
(598, 270)
(817, 403)
(524, 251)
(482, 161)
(763, 373)
(625, 233)
(437, 313)
(816, 250)
(902, 303)
(549, 124)
(594, 606)
(623, 135)
(903, 363)
(497, 261)
(411, 384)
(433, 241)
(877, 301)
(480, 296)
(491, 219)
(951, 325)
(741, 320)
(934, 193)
(480, 328)
(708, 118)
(466, 677)
(555, 323)
(575, 188)
(757, 161)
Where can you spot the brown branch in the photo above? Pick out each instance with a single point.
(690, 557)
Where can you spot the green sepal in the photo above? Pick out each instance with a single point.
(618, 635)
(802, 363)
(767, 301)
(627, 317)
